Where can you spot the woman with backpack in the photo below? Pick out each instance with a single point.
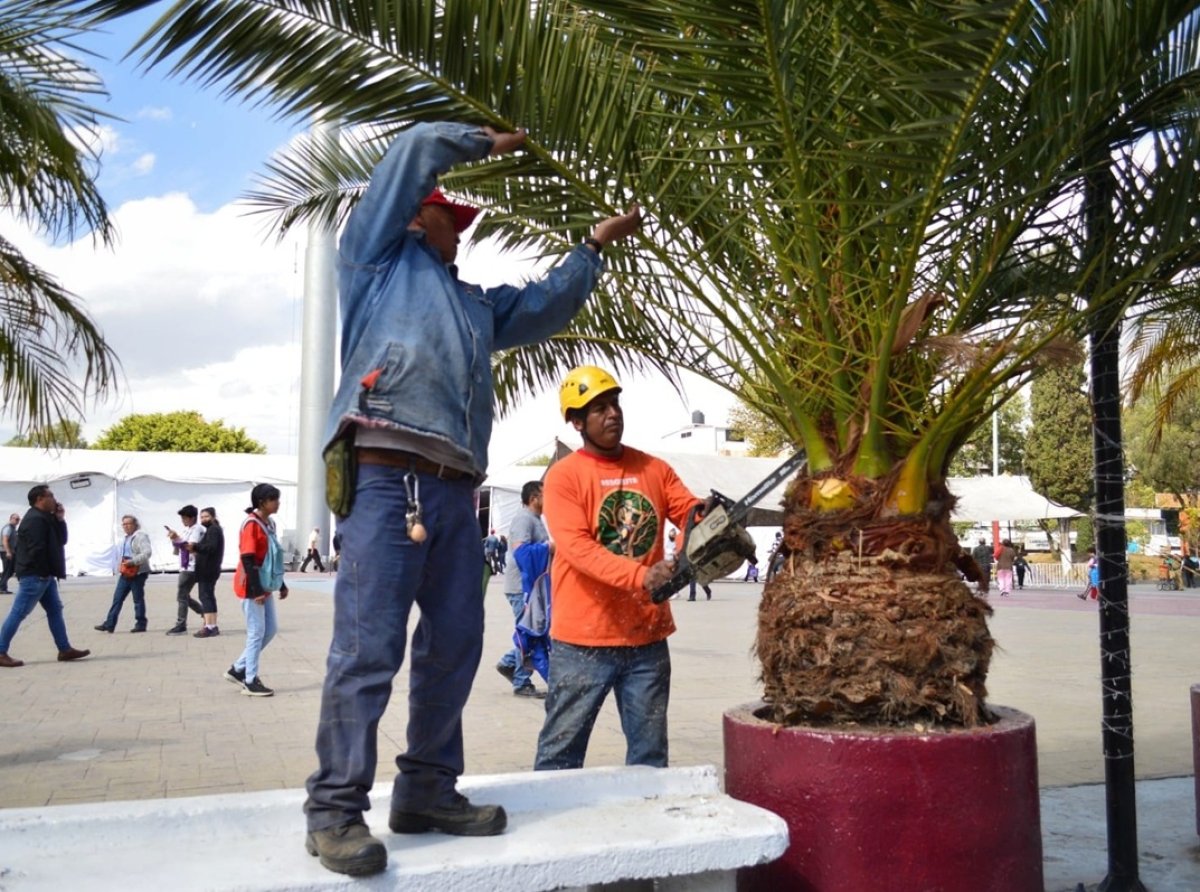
(259, 575)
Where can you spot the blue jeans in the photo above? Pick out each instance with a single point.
(260, 629)
(126, 585)
(31, 591)
(521, 675)
(382, 574)
(580, 679)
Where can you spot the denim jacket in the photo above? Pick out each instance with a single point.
(416, 342)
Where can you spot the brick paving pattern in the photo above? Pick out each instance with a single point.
(151, 716)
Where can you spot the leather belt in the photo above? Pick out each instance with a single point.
(398, 458)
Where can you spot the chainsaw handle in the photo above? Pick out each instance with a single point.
(684, 572)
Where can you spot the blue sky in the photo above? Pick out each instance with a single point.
(202, 144)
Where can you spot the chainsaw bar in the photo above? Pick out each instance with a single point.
(736, 512)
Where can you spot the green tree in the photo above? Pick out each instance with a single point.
(1138, 493)
(176, 432)
(763, 436)
(53, 357)
(975, 456)
(1058, 449)
(63, 435)
(865, 225)
(1166, 452)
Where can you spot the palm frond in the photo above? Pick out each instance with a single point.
(46, 108)
(52, 355)
(810, 169)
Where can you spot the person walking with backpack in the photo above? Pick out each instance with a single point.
(526, 526)
(258, 577)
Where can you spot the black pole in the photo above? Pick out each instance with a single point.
(1115, 663)
(1116, 667)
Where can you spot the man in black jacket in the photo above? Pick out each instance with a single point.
(209, 552)
(40, 562)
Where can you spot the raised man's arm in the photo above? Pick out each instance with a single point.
(405, 175)
(534, 312)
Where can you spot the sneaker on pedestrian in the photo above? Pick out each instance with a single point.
(506, 670)
(528, 690)
(208, 632)
(458, 818)
(255, 688)
(349, 849)
(235, 675)
(177, 629)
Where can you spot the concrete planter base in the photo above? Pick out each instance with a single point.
(882, 809)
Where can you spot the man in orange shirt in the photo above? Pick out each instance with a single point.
(605, 507)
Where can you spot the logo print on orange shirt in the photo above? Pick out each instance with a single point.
(628, 524)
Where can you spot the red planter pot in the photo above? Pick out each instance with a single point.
(880, 810)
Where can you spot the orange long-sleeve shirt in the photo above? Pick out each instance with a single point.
(606, 517)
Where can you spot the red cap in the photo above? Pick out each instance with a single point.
(464, 214)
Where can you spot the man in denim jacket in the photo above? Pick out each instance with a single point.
(415, 405)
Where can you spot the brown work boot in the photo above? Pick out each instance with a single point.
(458, 817)
(66, 656)
(349, 849)
(8, 662)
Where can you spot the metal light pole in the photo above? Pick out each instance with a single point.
(317, 357)
(1116, 665)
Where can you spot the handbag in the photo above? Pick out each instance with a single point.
(129, 569)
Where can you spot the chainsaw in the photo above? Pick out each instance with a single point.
(715, 542)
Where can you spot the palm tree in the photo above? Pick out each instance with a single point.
(867, 221)
(1164, 343)
(52, 355)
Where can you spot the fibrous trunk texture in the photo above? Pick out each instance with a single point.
(870, 622)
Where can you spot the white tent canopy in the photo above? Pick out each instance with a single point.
(1004, 498)
(97, 487)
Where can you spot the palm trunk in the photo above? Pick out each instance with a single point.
(869, 620)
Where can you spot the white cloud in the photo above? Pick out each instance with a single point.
(155, 113)
(256, 389)
(144, 164)
(100, 140)
(205, 312)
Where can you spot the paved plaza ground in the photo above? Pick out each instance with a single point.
(150, 715)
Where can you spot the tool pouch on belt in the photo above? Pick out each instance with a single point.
(341, 474)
